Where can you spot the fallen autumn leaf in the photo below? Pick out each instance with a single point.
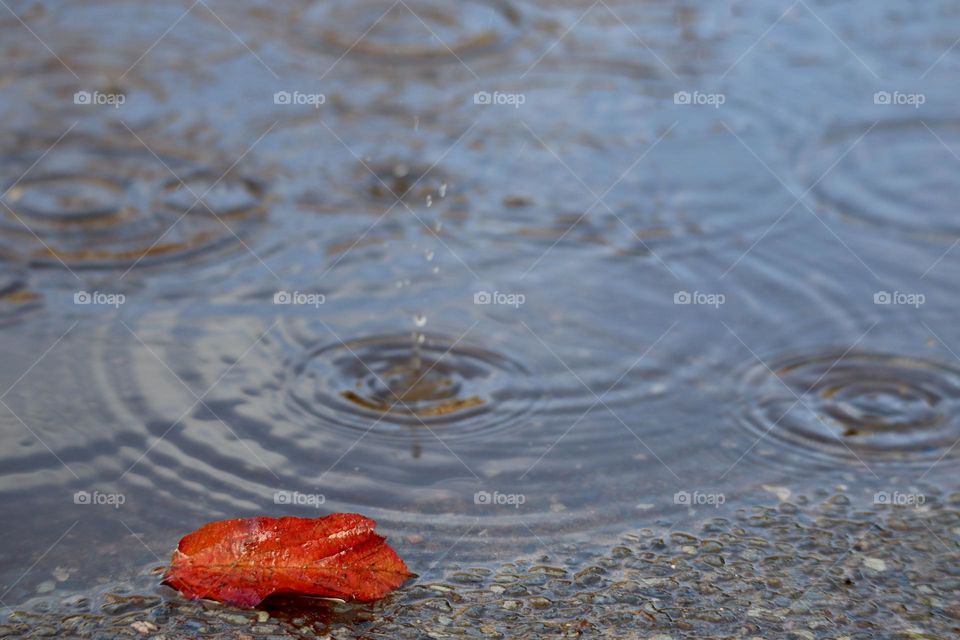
(241, 562)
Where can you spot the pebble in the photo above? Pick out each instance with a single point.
(144, 627)
(234, 618)
(46, 586)
(877, 564)
(781, 492)
(953, 611)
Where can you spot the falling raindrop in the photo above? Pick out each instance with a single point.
(419, 321)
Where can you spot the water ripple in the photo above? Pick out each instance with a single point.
(425, 31)
(859, 405)
(90, 202)
(898, 174)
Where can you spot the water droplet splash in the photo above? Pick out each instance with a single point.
(375, 380)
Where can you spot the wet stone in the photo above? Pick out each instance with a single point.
(798, 579)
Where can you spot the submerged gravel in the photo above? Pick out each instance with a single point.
(819, 567)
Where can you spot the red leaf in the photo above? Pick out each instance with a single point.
(241, 562)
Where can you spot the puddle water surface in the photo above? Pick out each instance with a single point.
(616, 318)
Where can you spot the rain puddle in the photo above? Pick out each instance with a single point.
(622, 320)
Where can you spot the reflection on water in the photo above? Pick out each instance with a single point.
(668, 253)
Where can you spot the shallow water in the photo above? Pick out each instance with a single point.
(511, 278)
(828, 565)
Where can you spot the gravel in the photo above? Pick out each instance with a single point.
(813, 568)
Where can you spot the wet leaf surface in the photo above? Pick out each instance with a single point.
(241, 562)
